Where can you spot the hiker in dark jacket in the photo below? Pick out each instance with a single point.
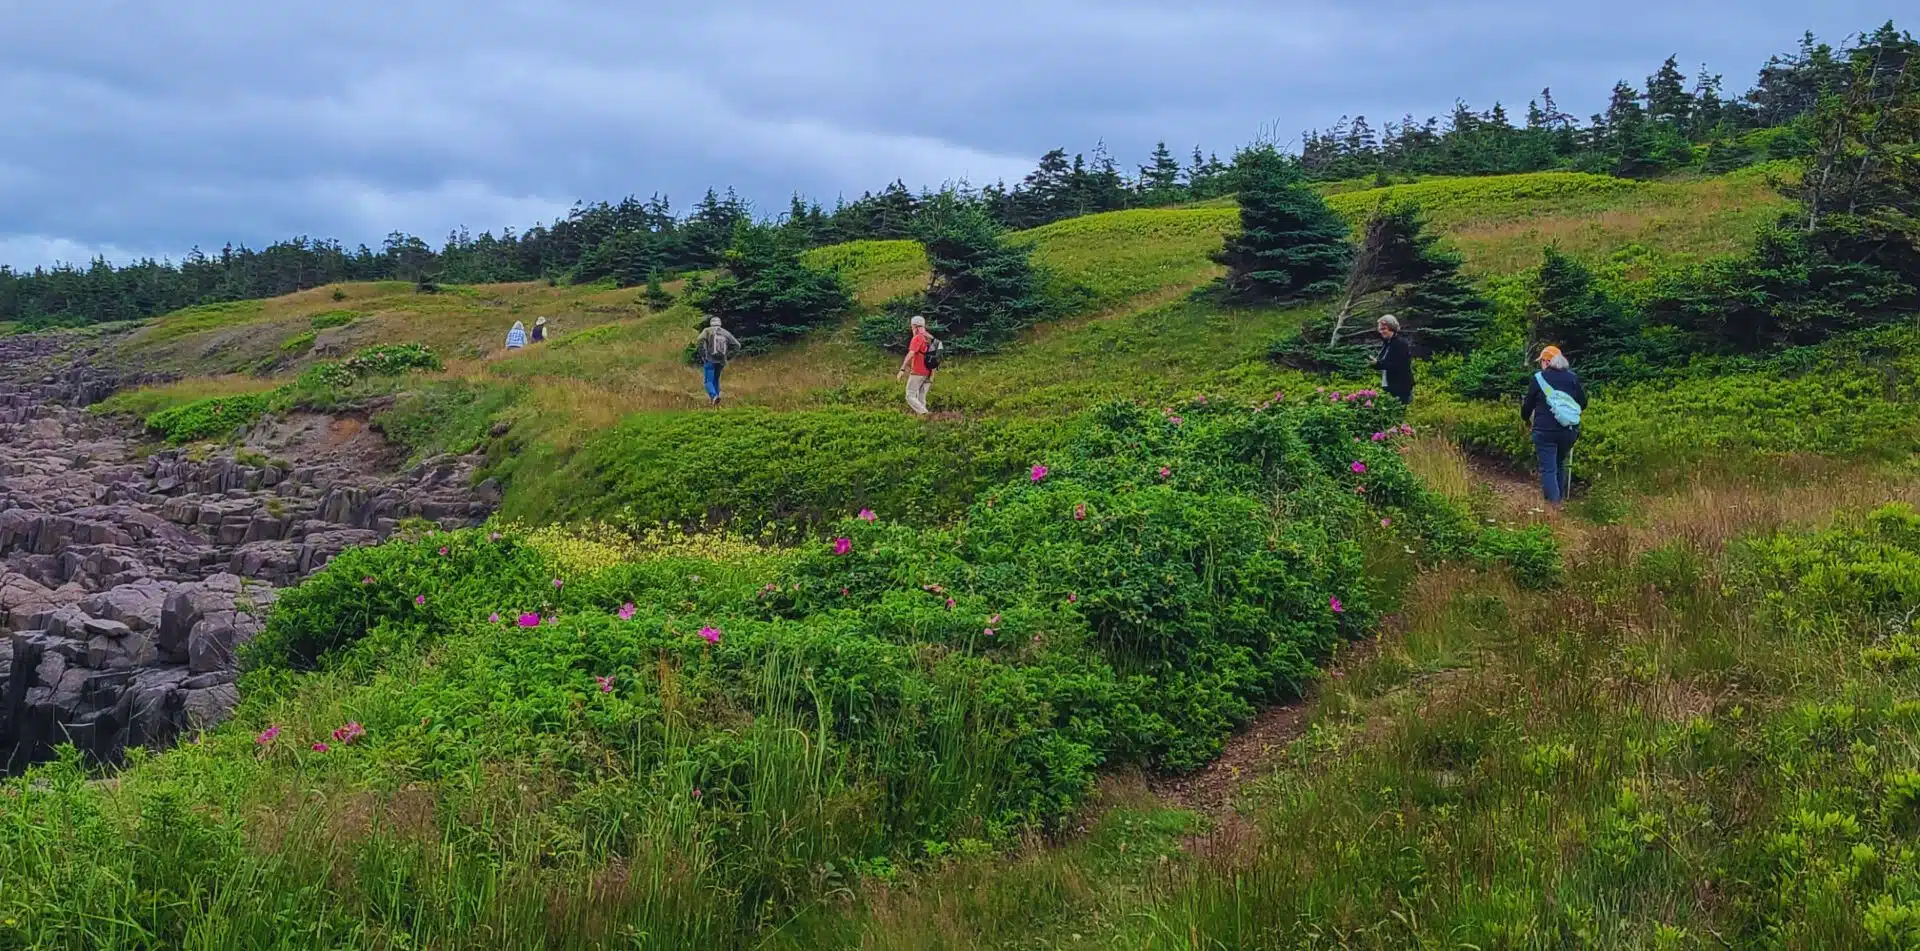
(714, 347)
(1395, 360)
(1553, 440)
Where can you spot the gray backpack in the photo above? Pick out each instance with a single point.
(713, 347)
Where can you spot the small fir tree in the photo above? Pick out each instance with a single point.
(1572, 312)
(765, 293)
(1160, 181)
(983, 290)
(1291, 246)
(657, 299)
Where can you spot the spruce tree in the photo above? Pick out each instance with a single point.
(983, 289)
(1399, 267)
(1106, 188)
(1445, 311)
(1574, 313)
(893, 211)
(765, 293)
(1160, 181)
(1046, 193)
(1668, 102)
(656, 298)
(1291, 246)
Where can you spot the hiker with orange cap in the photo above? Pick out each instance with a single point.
(1555, 400)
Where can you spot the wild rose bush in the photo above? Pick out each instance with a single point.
(1132, 597)
(750, 728)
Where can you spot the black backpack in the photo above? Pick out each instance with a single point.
(932, 356)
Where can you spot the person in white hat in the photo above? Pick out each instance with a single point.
(540, 330)
(923, 355)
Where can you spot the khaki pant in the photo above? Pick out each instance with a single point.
(917, 393)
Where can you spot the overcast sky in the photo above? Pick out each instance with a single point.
(136, 128)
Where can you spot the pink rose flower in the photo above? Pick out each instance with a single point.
(842, 545)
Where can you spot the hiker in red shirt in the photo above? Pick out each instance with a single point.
(916, 369)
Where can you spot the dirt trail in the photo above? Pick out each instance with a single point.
(1258, 749)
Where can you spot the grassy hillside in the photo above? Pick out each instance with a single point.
(1703, 740)
(1016, 676)
(1128, 273)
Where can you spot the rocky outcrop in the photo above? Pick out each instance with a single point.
(129, 580)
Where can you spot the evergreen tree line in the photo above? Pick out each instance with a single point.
(1671, 122)
(1668, 122)
(627, 242)
(1846, 257)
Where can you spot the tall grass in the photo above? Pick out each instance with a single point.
(150, 400)
(1704, 740)
(202, 850)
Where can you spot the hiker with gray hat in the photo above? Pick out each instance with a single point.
(714, 347)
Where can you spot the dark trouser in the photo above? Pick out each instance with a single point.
(1555, 451)
(713, 380)
(1401, 390)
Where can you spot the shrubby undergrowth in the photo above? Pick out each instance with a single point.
(1688, 746)
(323, 386)
(705, 737)
(1849, 397)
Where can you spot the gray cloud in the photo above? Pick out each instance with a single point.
(149, 128)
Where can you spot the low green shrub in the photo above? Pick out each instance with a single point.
(372, 371)
(451, 416)
(1847, 398)
(298, 343)
(381, 360)
(753, 467)
(333, 318)
(208, 418)
(1863, 574)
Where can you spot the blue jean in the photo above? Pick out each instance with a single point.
(713, 380)
(1555, 452)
